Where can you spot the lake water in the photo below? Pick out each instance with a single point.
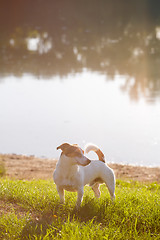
(81, 72)
(37, 115)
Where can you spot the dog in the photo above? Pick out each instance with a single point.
(74, 170)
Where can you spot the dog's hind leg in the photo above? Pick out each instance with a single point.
(111, 189)
(79, 197)
(96, 190)
(109, 179)
(112, 194)
(61, 194)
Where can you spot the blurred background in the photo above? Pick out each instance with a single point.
(78, 72)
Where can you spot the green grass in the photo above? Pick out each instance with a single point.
(31, 210)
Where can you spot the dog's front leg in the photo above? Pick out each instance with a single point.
(61, 193)
(79, 197)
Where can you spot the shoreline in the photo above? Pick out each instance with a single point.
(31, 167)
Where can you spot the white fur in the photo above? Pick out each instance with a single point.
(91, 147)
(70, 176)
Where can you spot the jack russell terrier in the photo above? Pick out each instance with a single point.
(74, 170)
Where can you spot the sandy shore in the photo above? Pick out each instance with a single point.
(30, 167)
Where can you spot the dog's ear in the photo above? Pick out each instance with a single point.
(75, 144)
(63, 146)
(69, 150)
(82, 150)
(66, 148)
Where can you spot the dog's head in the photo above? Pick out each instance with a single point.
(74, 152)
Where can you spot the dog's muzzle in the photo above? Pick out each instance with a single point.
(87, 162)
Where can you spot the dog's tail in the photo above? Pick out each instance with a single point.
(92, 147)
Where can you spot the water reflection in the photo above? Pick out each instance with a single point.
(41, 44)
(82, 54)
(54, 38)
(35, 116)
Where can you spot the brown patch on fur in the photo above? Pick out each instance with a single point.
(70, 150)
(100, 155)
(78, 147)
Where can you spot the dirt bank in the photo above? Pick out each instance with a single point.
(30, 167)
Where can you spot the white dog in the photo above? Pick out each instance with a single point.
(74, 170)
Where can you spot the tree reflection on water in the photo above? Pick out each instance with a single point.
(47, 38)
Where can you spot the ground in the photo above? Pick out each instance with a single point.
(30, 167)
